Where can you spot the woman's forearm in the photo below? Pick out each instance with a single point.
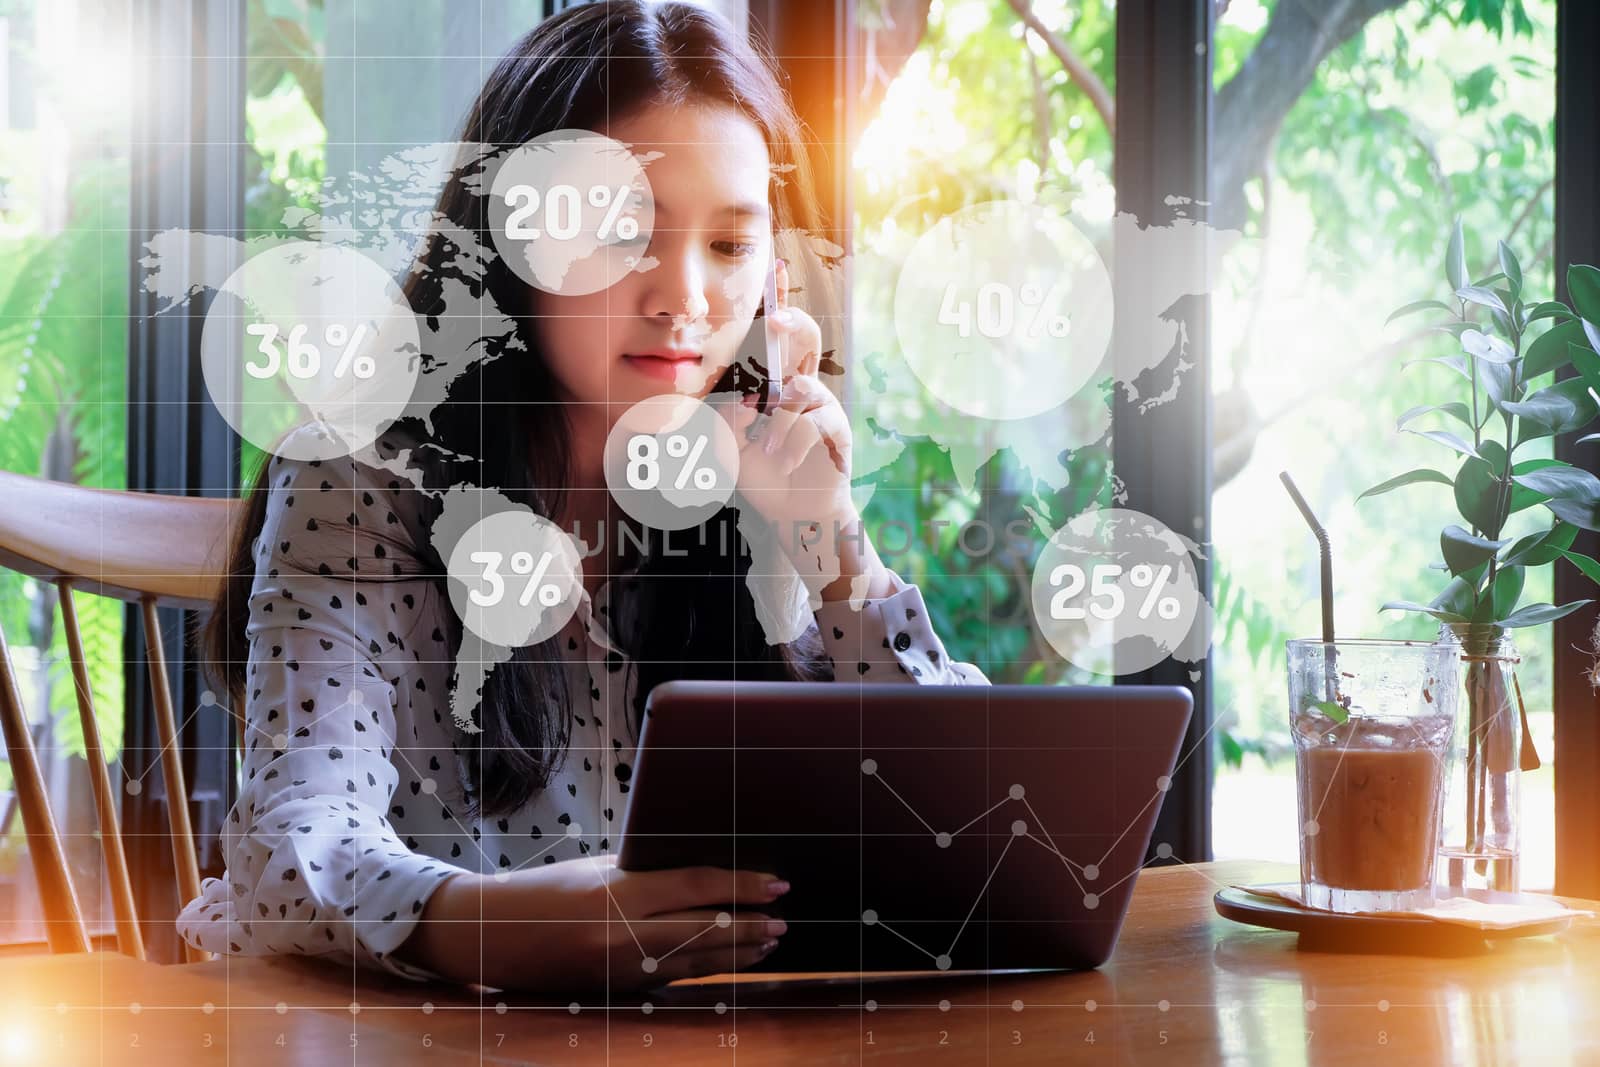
(447, 938)
(564, 927)
(856, 559)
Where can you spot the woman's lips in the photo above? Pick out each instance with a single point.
(663, 365)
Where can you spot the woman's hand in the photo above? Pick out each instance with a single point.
(794, 463)
(587, 924)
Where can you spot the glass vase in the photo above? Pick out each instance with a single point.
(1482, 826)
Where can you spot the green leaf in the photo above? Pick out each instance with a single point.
(1538, 614)
(1487, 347)
(1232, 752)
(1455, 363)
(1455, 409)
(1507, 588)
(1510, 268)
(1541, 547)
(1560, 408)
(1589, 567)
(1477, 294)
(1591, 333)
(1522, 497)
(1583, 286)
(1547, 309)
(1438, 613)
(1455, 257)
(1464, 550)
(1480, 493)
(1562, 482)
(1446, 438)
(1457, 597)
(1548, 351)
(1418, 305)
(1472, 575)
(1334, 711)
(1421, 474)
(1502, 319)
(1586, 362)
(1578, 512)
(1499, 381)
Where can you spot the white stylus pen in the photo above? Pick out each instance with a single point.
(769, 311)
(769, 304)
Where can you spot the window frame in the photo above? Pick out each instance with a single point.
(1162, 149)
(186, 170)
(1577, 233)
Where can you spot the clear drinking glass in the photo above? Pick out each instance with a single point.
(1372, 723)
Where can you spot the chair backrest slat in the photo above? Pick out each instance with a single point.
(63, 920)
(157, 551)
(129, 942)
(184, 861)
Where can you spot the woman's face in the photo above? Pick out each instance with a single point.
(675, 325)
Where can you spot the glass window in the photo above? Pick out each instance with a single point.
(285, 132)
(1340, 187)
(1425, 113)
(64, 281)
(336, 88)
(954, 498)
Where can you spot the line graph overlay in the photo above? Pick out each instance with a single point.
(1020, 829)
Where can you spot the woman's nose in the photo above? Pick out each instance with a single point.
(676, 288)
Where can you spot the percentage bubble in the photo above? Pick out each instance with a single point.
(557, 201)
(515, 578)
(1115, 591)
(325, 340)
(1003, 310)
(671, 462)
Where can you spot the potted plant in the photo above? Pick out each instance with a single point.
(1514, 350)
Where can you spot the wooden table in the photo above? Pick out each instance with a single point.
(1184, 987)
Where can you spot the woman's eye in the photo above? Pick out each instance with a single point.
(736, 249)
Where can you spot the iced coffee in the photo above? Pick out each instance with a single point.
(1372, 726)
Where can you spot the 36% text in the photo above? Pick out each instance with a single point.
(303, 359)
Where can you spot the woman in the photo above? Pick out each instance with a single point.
(371, 827)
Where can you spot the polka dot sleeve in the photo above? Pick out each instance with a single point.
(890, 639)
(313, 864)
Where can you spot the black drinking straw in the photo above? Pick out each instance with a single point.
(1327, 555)
(1326, 549)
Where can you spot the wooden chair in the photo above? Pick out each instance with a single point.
(137, 547)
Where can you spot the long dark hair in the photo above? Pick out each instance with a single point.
(692, 613)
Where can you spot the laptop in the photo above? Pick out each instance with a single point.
(921, 827)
